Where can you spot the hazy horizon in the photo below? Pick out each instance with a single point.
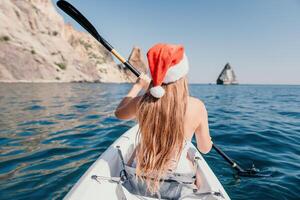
(258, 38)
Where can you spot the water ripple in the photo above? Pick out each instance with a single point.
(51, 133)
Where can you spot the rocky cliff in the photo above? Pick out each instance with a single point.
(37, 46)
(135, 59)
(227, 76)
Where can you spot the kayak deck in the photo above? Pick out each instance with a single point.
(109, 165)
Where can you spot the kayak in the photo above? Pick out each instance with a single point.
(102, 180)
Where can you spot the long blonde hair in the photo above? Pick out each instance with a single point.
(161, 131)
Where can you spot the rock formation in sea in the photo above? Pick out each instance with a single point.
(137, 60)
(227, 76)
(37, 46)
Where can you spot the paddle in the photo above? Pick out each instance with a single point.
(77, 16)
(251, 172)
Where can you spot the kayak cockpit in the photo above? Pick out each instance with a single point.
(104, 180)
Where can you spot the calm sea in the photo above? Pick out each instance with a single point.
(51, 133)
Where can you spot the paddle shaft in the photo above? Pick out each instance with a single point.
(233, 164)
(78, 17)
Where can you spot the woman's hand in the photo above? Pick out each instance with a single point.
(143, 81)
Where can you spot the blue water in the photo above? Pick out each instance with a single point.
(51, 133)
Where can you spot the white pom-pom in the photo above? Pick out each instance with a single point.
(157, 91)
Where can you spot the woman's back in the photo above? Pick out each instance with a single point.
(196, 122)
(167, 116)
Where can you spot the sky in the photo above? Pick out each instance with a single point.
(260, 39)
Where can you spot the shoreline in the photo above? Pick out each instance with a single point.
(56, 81)
(97, 82)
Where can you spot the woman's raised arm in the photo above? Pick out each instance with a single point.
(127, 107)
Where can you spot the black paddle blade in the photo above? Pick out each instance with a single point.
(252, 172)
(249, 173)
(78, 17)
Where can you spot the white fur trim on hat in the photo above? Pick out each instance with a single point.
(157, 91)
(177, 71)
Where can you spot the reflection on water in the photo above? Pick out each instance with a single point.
(51, 133)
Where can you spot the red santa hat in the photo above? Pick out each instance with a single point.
(167, 63)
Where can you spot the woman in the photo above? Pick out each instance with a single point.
(167, 116)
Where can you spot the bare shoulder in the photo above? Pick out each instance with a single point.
(196, 112)
(196, 104)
